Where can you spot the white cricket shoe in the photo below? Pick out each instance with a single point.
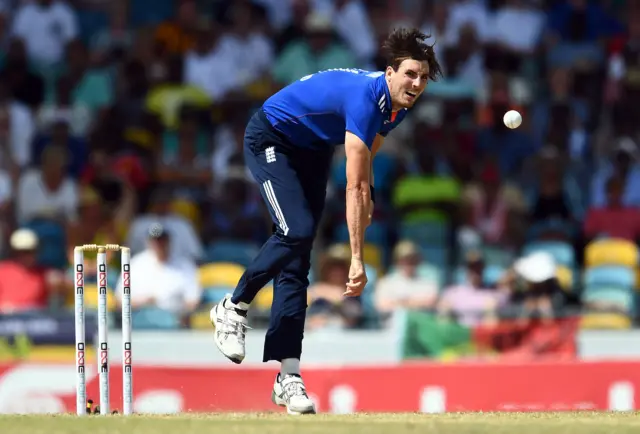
(289, 391)
(230, 323)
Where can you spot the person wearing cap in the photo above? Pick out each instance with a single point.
(24, 285)
(185, 241)
(328, 307)
(404, 287)
(162, 279)
(541, 294)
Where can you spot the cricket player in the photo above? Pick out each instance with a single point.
(288, 146)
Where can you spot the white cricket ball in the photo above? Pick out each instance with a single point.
(512, 119)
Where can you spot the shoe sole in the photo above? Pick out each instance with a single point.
(235, 360)
(275, 400)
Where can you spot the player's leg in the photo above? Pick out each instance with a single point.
(283, 341)
(270, 163)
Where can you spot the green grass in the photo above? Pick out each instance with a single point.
(362, 423)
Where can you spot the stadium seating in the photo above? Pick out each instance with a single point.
(231, 251)
(215, 293)
(154, 319)
(562, 252)
(425, 233)
(600, 321)
(609, 251)
(220, 274)
(610, 285)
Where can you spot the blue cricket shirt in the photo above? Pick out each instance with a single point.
(316, 110)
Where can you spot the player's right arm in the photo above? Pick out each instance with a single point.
(358, 192)
(363, 118)
(358, 200)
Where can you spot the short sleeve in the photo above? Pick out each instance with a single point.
(363, 116)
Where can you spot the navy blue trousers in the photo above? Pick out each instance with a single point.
(293, 183)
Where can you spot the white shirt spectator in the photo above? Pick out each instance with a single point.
(354, 27)
(34, 199)
(232, 64)
(214, 72)
(252, 54)
(396, 289)
(518, 28)
(184, 241)
(45, 30)
(21, 133)
(472, 12)
(172, 285)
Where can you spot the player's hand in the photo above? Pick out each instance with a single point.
(357, 278)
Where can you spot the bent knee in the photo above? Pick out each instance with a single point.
(302, 231)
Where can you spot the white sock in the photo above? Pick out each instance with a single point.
(241, 305)
(290, 366)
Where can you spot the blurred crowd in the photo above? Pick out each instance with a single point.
(117, 116)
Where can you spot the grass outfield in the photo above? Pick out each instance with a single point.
(362, 423)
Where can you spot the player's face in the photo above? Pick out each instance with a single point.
(407, 83)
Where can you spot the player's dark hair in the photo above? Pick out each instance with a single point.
(402, 44)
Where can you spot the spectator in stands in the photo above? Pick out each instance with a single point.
(560, 118)
(77, 114)
(411, 285)
(58, 136)
(47, 192)
(353, 25)
(514, 32)
(328, 308)
(510, 147)
(295, 28)
(26, 87)
(540, 295)
(575, 30)
(177, 36)
(615, 219)
(16, 132)
(246, 44)
(624, 82)
(494, 209)
(470, 302)
(185, 242)
(24, 285)
(111, 43)
(465, 61)
(161, 279)
(169, 93)
(46, 26)
(91, 87)
(555, 194)
(623, 164)
(316, 52)
(184, 163)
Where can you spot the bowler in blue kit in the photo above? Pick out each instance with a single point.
(288, 146)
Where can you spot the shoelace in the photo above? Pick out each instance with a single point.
(295, 388)
(235, 327)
